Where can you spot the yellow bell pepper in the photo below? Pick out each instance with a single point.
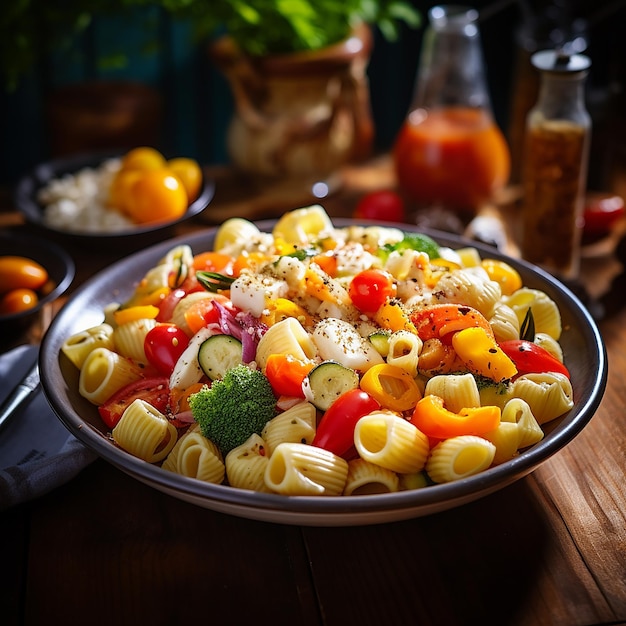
(139, 312)
(434, 420)
(502, 273)
(390, 385)
(482, 355)
(393, 317)
(281, 308)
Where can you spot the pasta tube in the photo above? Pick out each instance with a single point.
(296, 469)
(459, 457)
(77, 347)
(103, 373)
(145, 432)
(367, 478)
(386, 439)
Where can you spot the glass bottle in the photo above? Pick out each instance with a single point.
(449, 152)
(558, 133)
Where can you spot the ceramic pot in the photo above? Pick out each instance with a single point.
(301, 114)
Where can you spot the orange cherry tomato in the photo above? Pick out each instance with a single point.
(213, 262)
(119, 192)
(143, 158)
(18, 300)
(286, 374)
(189, 173)
(156, 196)
(20, 271)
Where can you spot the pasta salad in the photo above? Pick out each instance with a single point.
(319, 360)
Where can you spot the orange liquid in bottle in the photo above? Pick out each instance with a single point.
(451, 157)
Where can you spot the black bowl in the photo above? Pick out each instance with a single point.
(27, 188)
(581, 342)
(58, 263)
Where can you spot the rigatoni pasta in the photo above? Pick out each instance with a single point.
(103, 373)
(145, 432)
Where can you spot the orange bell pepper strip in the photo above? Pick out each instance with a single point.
(434, 420)
(482, 355)
(391, 386)
(440, 320)
(392, 316)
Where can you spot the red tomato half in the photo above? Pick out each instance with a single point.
(370, 289)
(163, 345)
(384, 205)
(335, 431)
(155, 391)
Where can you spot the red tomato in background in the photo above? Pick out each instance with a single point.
(155, 391)
(601, 212)
(370, 289)
(384, 205)
(163, 345)
(335, 431)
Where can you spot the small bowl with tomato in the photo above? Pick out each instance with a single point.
(113, 200)
(33, 273)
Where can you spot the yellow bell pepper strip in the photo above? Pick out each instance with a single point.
(139, 312)
(434, 420)
(391, 386)
(440, 320)
(482, 355)
(281, 308)
(502, 273)
(392, 316)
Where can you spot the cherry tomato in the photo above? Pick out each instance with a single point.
(17, 301)
(286, 374)
(156, 196)
(119, 191)
(370, 289)
(189, 173)
(204, 312)
(20, 271)
(143, 158)
(601, 212)
(384, 205)
(214, 262)
(335, 431)
(155, 391)
(163, 345)
(531, 358)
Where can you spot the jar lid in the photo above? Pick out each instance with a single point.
(560, 62)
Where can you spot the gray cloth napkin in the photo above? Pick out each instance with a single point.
(37, 452)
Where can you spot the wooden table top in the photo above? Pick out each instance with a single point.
(548, 550)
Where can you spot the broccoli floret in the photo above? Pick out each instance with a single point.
(234, 407)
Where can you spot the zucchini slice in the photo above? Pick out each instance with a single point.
(327, 381)
(218, 354)
(380, 341)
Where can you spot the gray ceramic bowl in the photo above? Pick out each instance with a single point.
(58, 263)
(581, 341)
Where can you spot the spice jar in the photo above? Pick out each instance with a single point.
(557, 138)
